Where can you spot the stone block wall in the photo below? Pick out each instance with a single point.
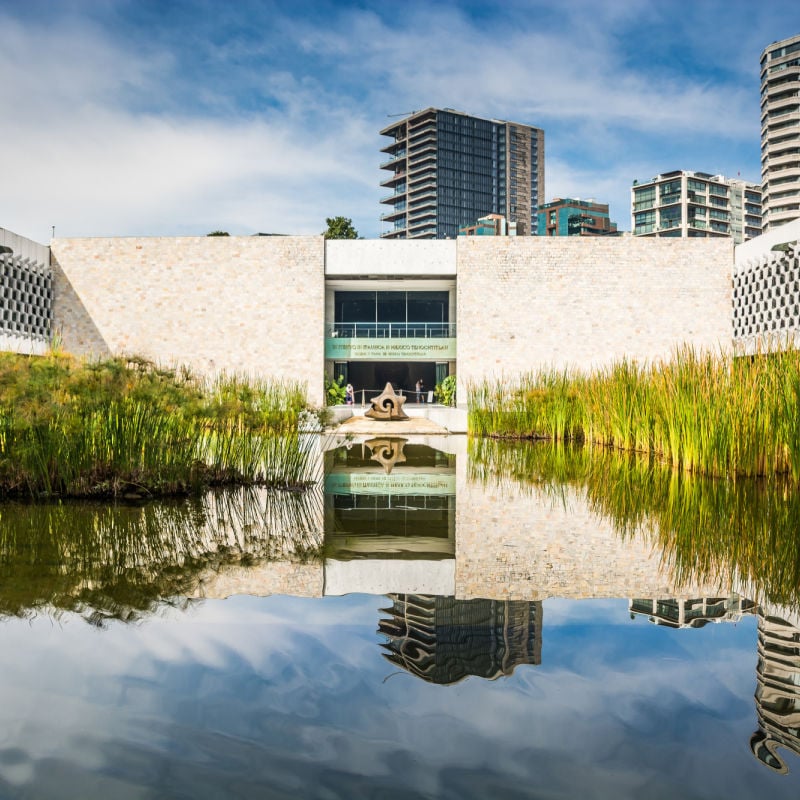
(238, 304)
(584, 302)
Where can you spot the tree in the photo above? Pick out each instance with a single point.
(340, 228)
(218, 233)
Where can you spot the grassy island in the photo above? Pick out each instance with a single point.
(712, 414)
(126, 427)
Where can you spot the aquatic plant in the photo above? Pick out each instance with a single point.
(127, 426)
(710, 413)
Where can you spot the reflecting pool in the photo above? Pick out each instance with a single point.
(435, 619)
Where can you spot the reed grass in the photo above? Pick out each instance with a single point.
(126, 426)
(709, 413)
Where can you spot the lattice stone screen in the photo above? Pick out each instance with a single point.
(26, 298)
(766, 296)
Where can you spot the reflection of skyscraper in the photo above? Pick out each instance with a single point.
(443, 640)
(777, 692)
(692, 613)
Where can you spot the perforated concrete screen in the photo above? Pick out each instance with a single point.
(766, 295)
(26, 297)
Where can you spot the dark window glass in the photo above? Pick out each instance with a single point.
(427, 307)
(391, 306)
(355, 306)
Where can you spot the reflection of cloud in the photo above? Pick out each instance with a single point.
(248, 688)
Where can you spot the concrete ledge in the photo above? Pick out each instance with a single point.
(449, 420)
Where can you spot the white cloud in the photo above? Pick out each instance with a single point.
(108, 135)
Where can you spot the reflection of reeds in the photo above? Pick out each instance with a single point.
(709, 530)
(710, 414)
(121, 560)
(125, 426)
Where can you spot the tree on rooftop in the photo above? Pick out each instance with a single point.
(340, 228)
(218, 233)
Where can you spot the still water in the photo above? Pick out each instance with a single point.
(433, 620)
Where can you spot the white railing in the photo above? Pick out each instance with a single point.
(391, 330)
(363, 397)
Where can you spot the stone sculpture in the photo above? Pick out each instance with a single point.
(387, 406)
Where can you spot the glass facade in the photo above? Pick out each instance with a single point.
(458, 169)
(469, 180)
(392, 314)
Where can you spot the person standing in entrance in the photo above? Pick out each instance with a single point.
(348, 394)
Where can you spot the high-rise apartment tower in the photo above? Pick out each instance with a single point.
(780, 132)
(689, 204)
(449, 169)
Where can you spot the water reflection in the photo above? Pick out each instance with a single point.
(443, 640)
(465, 550)
(777, 692)
(391, 498)
(692, 613)
(124, 560)
(741, 534)
(738, 535)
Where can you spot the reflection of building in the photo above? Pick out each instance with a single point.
(696, 204)
(406, 512)
(692, 613)
(568, 217)
(448, 169)
(778, 672)
(443, 640)
(777, 692)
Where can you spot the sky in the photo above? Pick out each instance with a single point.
(180, 117)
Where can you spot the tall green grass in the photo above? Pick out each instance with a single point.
(713, 414)
(126, 426)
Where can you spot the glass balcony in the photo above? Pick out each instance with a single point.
(391, 330)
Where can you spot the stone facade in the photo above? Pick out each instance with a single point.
(380, 258)
(237, 304)
(527, 302)
(257, 304)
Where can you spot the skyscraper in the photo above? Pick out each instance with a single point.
(449, 169)
(780, 132)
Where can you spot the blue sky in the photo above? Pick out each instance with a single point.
(178, 117)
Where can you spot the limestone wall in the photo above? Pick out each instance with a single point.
(525, 302)
(248, 304)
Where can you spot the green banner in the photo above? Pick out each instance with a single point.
(389, 349)
(395, 483)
